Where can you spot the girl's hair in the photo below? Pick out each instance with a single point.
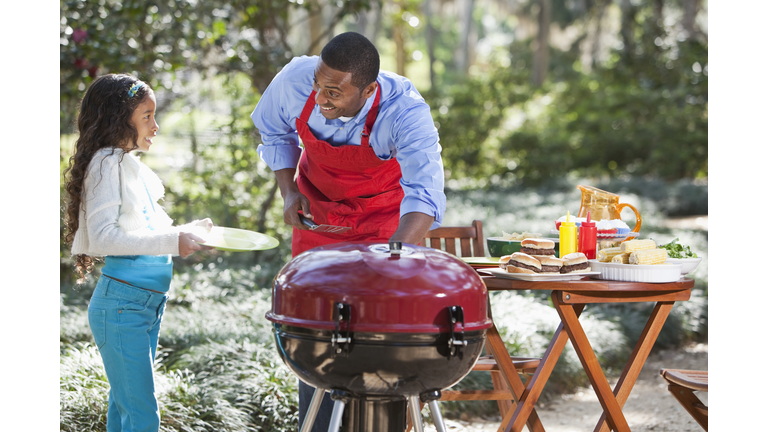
(103, 121)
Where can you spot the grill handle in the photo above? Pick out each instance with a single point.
(395, 249)
(341, 312)
(456, 341)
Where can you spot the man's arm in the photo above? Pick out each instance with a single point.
(293, 200)
(412, 228)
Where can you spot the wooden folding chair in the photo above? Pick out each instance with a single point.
(682, 384)
(470, 239)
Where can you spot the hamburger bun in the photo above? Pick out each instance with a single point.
(537, 246)
(574, 258)
(575, 262)
(523, 263)
(503, 261)
(549, 264)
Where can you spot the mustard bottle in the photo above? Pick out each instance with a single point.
(567, 236)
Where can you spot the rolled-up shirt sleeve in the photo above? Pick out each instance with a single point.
(274, 117)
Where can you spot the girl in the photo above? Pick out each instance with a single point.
(113, 212)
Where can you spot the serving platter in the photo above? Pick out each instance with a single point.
(658, 273)
(236, 240)
(541, 277)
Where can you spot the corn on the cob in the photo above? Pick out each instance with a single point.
(605, 255)
(648, 256)
(621, 258)
(637, 245)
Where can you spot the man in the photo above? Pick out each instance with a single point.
(371, 158)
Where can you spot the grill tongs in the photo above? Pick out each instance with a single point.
(323, 228)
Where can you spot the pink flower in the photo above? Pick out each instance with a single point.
(79, 35)
(81, 63)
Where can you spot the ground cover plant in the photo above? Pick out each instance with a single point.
(218, 369)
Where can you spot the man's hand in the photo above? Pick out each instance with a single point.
(412, 228)
(293, 200)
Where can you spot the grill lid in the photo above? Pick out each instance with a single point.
(372, 287)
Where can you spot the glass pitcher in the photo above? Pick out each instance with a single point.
(603, 205)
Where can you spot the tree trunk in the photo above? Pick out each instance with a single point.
(462, 59)
(397, 35)
(315, 28)
(430, 36)
(541, 56)
(598, 33)
(628, 27)
(690, 10)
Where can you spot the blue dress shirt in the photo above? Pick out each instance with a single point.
(404, 129)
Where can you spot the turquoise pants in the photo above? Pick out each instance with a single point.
(125, 322)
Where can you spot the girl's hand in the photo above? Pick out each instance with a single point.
(206, 223)
(188, 244)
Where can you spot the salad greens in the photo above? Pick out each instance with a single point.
(676, 250)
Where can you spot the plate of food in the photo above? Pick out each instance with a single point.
(236, 240)
(544, 267)
(636, 261)
(681, 254)
(536, 277)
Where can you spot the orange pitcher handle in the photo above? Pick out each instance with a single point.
(637, 215)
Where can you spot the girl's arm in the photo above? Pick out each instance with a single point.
(106, 237)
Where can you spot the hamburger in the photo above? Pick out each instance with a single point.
(549, 264)
(537, 246)
(575, 262)
(520, 262)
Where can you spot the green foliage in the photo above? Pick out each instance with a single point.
(156, 40)
(648, 117)
(217, 367)
(641, 114)
(470, 114)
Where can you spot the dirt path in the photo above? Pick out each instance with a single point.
(650, 406)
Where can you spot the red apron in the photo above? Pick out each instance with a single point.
(347, 186)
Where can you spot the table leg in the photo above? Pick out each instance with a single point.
(510, 375)
(637, 359)
(591, 366)
(524, 412)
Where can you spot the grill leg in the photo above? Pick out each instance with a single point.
(413, 407)
(437, 417)
(338, 411)
(314, 406)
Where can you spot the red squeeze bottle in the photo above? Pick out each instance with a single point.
(588, 238)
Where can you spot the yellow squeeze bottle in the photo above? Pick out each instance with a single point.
(567, 236)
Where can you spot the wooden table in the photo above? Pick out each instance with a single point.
(569, 298)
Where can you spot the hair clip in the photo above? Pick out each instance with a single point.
(135, 88)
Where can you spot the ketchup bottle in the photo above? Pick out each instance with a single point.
(567, 236)
(588, 238)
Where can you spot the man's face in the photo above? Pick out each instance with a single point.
(335, 93)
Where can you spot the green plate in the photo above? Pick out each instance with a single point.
(481, 261)
(237, 240)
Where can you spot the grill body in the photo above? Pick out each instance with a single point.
(380, 323)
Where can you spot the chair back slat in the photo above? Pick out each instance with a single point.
(470, 239)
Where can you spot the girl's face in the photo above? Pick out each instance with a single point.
(143, 119)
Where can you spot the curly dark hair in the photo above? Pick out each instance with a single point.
(351, 52)
(104, 120)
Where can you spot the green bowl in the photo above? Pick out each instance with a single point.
(498, 247)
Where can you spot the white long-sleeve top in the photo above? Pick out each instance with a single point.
(111, 217)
